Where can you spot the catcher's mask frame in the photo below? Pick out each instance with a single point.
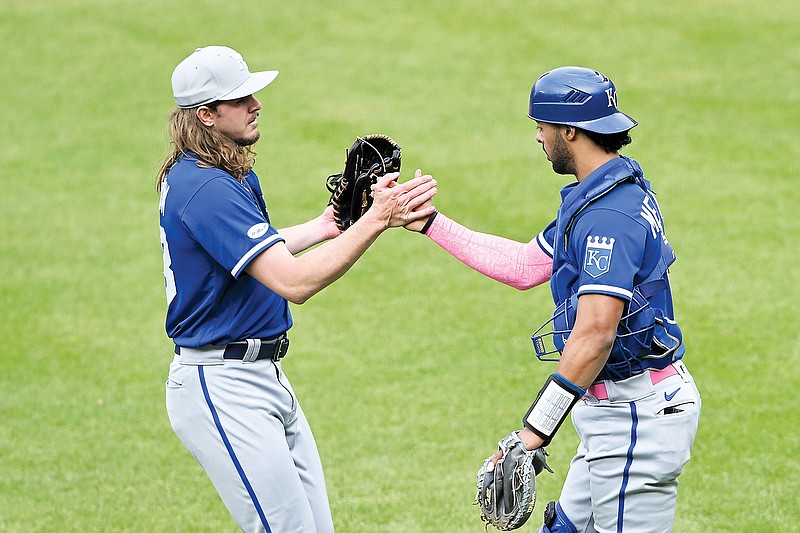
(635, 332)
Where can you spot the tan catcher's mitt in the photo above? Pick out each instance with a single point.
(370, 156)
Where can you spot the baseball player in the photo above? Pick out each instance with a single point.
(229, 277)
(634, 405)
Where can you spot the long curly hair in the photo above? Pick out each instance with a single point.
(212, 149)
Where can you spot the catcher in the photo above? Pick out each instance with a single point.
(620, 372)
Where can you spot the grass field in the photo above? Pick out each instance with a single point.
(410, 385)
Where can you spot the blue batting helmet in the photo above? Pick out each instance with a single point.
(579, 97)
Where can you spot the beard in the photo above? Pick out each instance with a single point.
(561, 157)
(248, 140)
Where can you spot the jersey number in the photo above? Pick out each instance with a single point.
(169, 276)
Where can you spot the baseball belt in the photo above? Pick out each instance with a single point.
(246, 351)
(600, 390)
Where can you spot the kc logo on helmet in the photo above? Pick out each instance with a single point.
(598, 255)
(612, 97)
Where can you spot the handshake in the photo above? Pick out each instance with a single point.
(371, 169)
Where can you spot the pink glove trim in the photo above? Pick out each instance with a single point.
(516, 264)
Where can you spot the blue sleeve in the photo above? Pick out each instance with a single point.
(226, 221)
(610, 247)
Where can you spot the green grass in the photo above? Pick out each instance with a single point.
(410, 385)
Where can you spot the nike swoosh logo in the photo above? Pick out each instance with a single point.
(671, 395)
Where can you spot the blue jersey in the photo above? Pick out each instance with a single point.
(212, 226)
(608, 238)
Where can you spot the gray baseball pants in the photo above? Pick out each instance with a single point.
(243, 424)
(634, 444)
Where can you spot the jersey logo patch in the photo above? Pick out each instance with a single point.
(598, 255)
(258, 230)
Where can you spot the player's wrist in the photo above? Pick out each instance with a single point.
(530, 439)
(373, 221)
(428, 223)
(329, 229)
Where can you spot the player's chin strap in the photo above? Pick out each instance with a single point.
(552, 405)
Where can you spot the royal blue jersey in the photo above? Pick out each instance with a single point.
(608, 238)
(212, 226)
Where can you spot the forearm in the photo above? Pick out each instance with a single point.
(516, 264)
(591, 339)
(581, 361)
(299, 278)
(584, 355)
(303, 236)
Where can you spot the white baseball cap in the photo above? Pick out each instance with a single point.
(215, 73)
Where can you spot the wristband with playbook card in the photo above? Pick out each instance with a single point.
(552, 406)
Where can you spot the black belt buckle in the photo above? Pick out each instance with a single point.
(281, 347)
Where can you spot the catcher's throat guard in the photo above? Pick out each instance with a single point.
(370, 157)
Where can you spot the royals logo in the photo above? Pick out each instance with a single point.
(239, 59)
(598, 255)
(612, 98)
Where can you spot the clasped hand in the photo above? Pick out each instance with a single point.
(398, 204)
